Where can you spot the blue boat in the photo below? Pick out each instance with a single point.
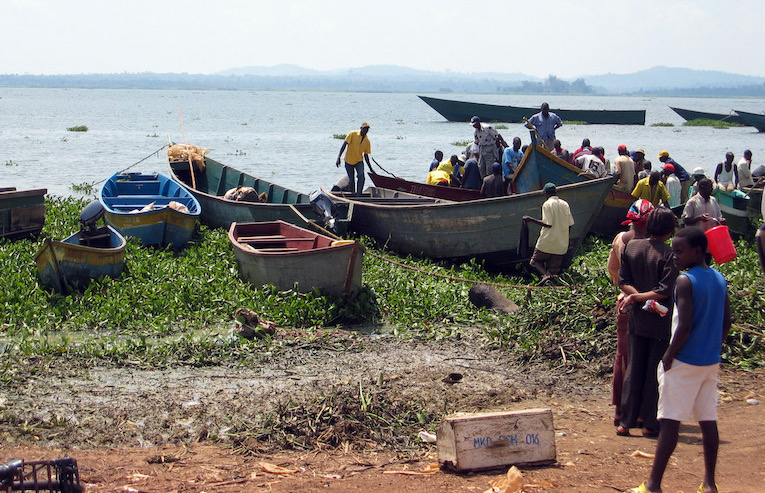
(92, 252)
(151, 207)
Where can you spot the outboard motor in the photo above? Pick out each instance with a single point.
(325, 207)
(90, 233)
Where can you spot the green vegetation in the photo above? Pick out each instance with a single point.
(78, 128)
(175, 307)
(501, 127)
(461, 143)
(662, 124)
(705, 122)
(11, 162)
(574, 122)
(339, 136)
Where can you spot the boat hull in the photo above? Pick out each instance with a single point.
(448, 193)
(462, 111)
(734, 207)
(211, 184)
(289, 257)
(753, 119)
(22, 212)
(702, 115)
(66, 264)
(124, 195)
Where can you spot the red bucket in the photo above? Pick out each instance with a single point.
(721, 244)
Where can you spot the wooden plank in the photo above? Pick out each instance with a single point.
(477, 441)
(278, 250)
(246, 239)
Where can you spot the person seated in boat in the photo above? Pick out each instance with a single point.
(440, 176)
(744, 166)
(642, 165)
(560, 152)
(682, 175)
(702, 210)
(586, 149)
(697, 176)
(472, 177)
(511, 158)
(726, 174)
(494, 185)
(546, 123)
(652, 189)
(591, 164)
(552, 243)
(437, 158)
(759, 171)
(671, 181)
(456, 167)
(358, 151)
(625, 167)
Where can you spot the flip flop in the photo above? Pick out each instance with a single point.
(701, 489)
(639, 489)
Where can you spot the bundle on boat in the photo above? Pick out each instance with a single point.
(188, 152)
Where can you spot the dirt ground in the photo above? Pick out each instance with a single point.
(148, 430)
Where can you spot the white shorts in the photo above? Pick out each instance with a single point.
(688, 392)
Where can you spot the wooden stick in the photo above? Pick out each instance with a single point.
(185, 142)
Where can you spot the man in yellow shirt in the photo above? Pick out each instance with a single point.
(358, 149)
(652, 189)
(552, 244)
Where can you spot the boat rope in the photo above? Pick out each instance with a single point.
(155, 153)
(378, 164)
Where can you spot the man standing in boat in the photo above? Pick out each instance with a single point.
(546, 123)
(488, 141)
(358, 152)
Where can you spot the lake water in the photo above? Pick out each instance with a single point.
(287, 137)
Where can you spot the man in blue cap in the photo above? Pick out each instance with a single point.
(552, 244)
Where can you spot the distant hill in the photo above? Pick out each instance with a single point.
(664, 78)
(391, 78)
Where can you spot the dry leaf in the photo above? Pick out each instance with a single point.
(274, 469)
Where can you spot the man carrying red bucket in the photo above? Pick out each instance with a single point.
(702, 211)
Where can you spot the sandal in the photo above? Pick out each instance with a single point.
(639, 489)
(622, 431)
(650, 433)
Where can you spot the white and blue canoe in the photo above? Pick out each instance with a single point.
(151, 207)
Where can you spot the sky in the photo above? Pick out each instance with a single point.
(547, 37)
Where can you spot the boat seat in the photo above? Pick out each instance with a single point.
(278, 250)
(247, 239)
(255, 240)
(100, 239)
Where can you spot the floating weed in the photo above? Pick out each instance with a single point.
(339, 136)
(78, 128)
(461, 143)
(662, 124)
(705, 122)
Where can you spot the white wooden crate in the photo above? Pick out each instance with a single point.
(487, 440)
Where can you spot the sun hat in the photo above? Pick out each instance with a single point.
(638, 212)
(640, 150)
(462, 158)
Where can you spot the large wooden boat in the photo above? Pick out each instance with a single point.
(290, 257)
(462, 111)
(488, 228)
(22, 212)
(756, 120)
(448, 193)
(703, 115)
(211, 184)
(92, 252)
(151, 207)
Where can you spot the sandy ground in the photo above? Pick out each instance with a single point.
(149, 430)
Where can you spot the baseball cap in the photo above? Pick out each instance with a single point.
(669, 168)
(549, 188)
(621, 147)
(664, 154)
(365, 124)
(699, 171)
(475, 119)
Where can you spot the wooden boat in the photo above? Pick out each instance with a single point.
(733, 206)
(488, 228)
(462, 111)
(210, 185)
(756, 120)
(22, 212)
(87, 254)
(150, 207)
(448, 193)
(703, 115)
(290, 257)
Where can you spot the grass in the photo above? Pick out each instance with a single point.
(501, 127)
(339, 136)
(704, 122)
(662, 124)
(461, 143)
(574, 122)
(78, 128)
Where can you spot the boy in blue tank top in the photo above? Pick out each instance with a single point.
(688, 371)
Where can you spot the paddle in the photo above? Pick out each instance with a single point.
(531, 127)
(378, 164)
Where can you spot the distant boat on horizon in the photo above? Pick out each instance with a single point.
(689, 115)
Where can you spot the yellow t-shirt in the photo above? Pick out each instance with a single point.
(643, 191)
(356, 148)
(554, 240)
(438, 175)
